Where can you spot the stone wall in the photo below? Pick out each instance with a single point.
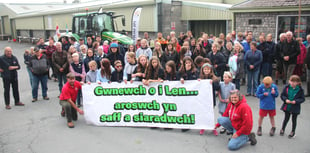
(168, 13)
(268, 22)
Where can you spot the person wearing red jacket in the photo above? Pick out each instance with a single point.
(237, 118)
(300, 58)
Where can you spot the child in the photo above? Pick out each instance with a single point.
(154, 72)
(225, 88)
(188, 70)
(207, 72)
(130, 66)
(170, 54)
(105, 47)
(267, 94)
(158, 52)
(117, 76)
(170, 71)
(139, 72)
(78, 69)
(104, 73)
(292, 96)
(92, 73)
(130, 49)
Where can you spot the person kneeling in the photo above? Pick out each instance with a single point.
(67, 99)
(237, 118)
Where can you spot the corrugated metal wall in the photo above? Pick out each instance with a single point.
(51, 21)
(7, 25)
(203, 13)
(31, 23)
(147, 18)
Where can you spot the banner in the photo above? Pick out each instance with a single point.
(168, 105)
(135, 24)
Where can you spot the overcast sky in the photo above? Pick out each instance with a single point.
(38, 1)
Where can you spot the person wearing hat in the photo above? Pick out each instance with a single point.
(8, 68)
(121, 48)
(115, 54)
(39, 66)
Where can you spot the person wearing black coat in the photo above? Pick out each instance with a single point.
(292, 97)
(115, 54)
(217, 60)
(89, 57)
(290, 51)
(8, 68)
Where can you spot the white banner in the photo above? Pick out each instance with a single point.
(169, 104)
(135, 24)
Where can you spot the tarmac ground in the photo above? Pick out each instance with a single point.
(39, 128)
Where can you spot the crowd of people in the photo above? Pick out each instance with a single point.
(230, 62)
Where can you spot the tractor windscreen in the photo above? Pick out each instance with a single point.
(102, 22)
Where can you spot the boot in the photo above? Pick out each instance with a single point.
(272, 130)
(259, 131)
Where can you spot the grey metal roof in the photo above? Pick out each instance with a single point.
(23, 8)
(271, 3)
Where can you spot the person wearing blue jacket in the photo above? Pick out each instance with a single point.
(253, 60)
(267, 93)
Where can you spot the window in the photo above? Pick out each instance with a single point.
(290, 23)
(255, 21)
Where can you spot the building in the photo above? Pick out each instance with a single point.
(271, 16)
(40, 20)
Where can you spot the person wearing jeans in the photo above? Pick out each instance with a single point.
(39, 67)
(253, 60)
(238, 119)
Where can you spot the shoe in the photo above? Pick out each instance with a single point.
(79, 105)
(62, 113)
(248, 94)
(185, 130)
(34, 99)
(229, 132)
(307, 95)
(252, 138)
(259, 131)
(272, 130)
(291, 135)
(19, 104)
(254, 95)
(49, 78)
(70, 125)
(55, 79)
(222, 131)
(281, 132)
(46, 98)
(7, 107)
(201, 131)
(215, 132)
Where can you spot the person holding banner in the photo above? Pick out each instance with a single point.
(238, 119)
(68, 97)
(154, 72)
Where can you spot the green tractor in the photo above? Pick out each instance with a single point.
(98, 23)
